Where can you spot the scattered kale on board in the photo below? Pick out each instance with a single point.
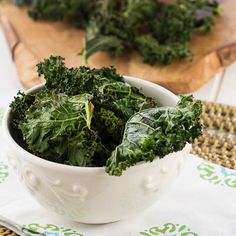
(160, 32)
(92, 117)
(156, 132)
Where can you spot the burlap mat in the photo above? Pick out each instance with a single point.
(218, 143)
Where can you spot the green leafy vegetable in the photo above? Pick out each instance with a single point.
(58, 128)
(22, 2)
(110, 127)
(160, 32)
(152, 52)
(20, 105)
(77, 11)
(107, 87)
(92, 117)
(156, 132)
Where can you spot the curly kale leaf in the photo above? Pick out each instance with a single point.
(48, 10)
(115, 28)
(110, 127)
(103, 43)
(120, 27)
(77, 11)
(107, 87)
(155, 53)
(138, 11)
(21, 2)
(175, 24)
(160, 32)
(156, 132)
(123, 98)
(73, 81)
(108, 32)
(203, 12)
(19, 106)
(95, 41)
(58, 128)
(81, 117)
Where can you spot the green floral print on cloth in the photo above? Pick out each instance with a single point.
(49, 230)
(169, 229)
(217, 175)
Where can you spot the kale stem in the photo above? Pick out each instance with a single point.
(84, 57)
(84, 54)
(142, 124)
(59, 121)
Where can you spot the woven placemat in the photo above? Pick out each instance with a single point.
(6, 232)
(218, 143)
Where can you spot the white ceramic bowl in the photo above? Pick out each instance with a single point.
(89, 194)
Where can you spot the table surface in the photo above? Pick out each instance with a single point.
(220, 89)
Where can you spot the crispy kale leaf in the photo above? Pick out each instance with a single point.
(72, 81)
(153, 52)
(58, 128)
(156, 132)
(19, 106)
(110, 127)
(114, 100)
(77, 11)
(177, 22)
(115, 28)
(160, 32)
(96, 42)
(22, 2)
(107, 87)
(81, 117)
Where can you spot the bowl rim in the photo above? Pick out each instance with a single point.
(46, 163)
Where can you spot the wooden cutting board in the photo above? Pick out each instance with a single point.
(211, 53)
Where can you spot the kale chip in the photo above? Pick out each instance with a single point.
(160, 32)
(108, 88)
(156, 132)
(92, 117)
(58, 128)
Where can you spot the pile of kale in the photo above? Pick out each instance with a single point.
(158, 31)
(92, 117)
